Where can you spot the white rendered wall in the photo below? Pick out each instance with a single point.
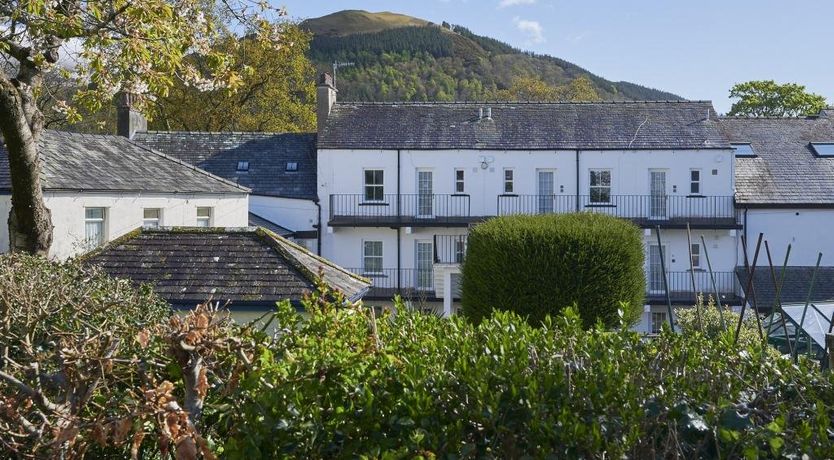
(5, 207)
(808, 231)
(290, 213)
(124, 212)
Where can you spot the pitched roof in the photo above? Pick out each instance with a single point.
(267, 154)
(522, 126)
(248, 266)
(95, 162)
(258, 221)
(795, 287)
(785, 170)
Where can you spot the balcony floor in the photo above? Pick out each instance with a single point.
(411, 221)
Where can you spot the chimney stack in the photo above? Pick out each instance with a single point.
(128, 121)
(325, 98)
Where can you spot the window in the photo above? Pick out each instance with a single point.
(658, 319)
(508, 181)
(695, 181)
(242, 166)
(374, 190)
(744, 150)
(292, 166)
(94, 227)
(696, 256)
(600, 186)
(372, 257)
(204, 217)
(823, 149)
(459, 185)
(460, 250)
(151, 218)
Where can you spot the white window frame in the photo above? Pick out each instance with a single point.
(152, 222)
(460, 180)
(695, 250)
(509, 182)
(366, 256)
(592, 187)
(695, 183)
(656, 321)
(209, 220)
(366, 186)
(101, 222)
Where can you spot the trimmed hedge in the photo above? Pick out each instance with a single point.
(537, 265)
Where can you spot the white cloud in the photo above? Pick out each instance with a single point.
(506, 3)
(533, 30)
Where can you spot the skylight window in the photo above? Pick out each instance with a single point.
(744, 150)
(242, 166)
(823, 149)
(292, 166)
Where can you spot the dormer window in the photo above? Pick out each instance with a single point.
(823, 149)
(744, 150)
(292, 166)
(242, 166)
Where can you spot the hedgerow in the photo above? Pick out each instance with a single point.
(343, 384)
(537, 265)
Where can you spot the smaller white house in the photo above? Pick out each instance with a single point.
(100, 187)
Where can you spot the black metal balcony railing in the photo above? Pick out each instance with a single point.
(680, 286)
(419, 283)
(449, 249)
(643, 209)
(409, 209)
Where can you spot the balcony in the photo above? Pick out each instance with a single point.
(644, 210)
(411, 210)
(421, 284)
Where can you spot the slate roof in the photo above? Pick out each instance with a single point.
(795, 287)
(94, 162)
(523, 126)
(267, 154)
(251, 267)
(258, 221)
(785, 171)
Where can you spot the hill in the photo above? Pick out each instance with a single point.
(398, 57)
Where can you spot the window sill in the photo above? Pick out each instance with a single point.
(460, 195)
(374, 203)
(601, 205)
(509, 195)
(695, 196)
(374, 275)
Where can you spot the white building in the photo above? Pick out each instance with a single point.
(785, 191)
(399, 184)
(98, 188)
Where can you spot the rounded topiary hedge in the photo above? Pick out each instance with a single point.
(538, 265)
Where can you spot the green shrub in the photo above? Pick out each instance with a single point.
(537, 265)
(429, 387)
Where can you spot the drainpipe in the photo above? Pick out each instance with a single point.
(399, 228)
(318, 232)
(577, 180)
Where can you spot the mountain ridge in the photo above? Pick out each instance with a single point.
(396, 57)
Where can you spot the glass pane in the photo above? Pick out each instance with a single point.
(744, 150)
(151, 213)
(203, 212)
(823, 149)
(202, 222)
(94, 233)
(94, 213)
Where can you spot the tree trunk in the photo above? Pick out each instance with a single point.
(30, 222)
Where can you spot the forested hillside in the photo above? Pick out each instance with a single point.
(405, 58)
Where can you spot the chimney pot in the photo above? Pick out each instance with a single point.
(489, 113)
(481, 113)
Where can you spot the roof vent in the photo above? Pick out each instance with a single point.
(489, 113)
(292, 166)
(481, 113)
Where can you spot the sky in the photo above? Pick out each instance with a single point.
(696, 49)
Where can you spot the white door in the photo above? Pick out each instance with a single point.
(424, 254)
(425, 197)
(656, 269)
(546, 191)
(657, 200)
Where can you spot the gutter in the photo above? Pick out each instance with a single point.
(399, 235)
(577, 180)
(318, 227)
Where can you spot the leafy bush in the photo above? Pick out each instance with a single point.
(343, 384)
(537, 265)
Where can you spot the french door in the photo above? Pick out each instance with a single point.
(658, 199)
(546, 186)
(424, 255)
(425, 194)
(656, 268)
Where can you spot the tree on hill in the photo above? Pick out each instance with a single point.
(276, 93)
(766, 98)
(580, 89)
(136, 47)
